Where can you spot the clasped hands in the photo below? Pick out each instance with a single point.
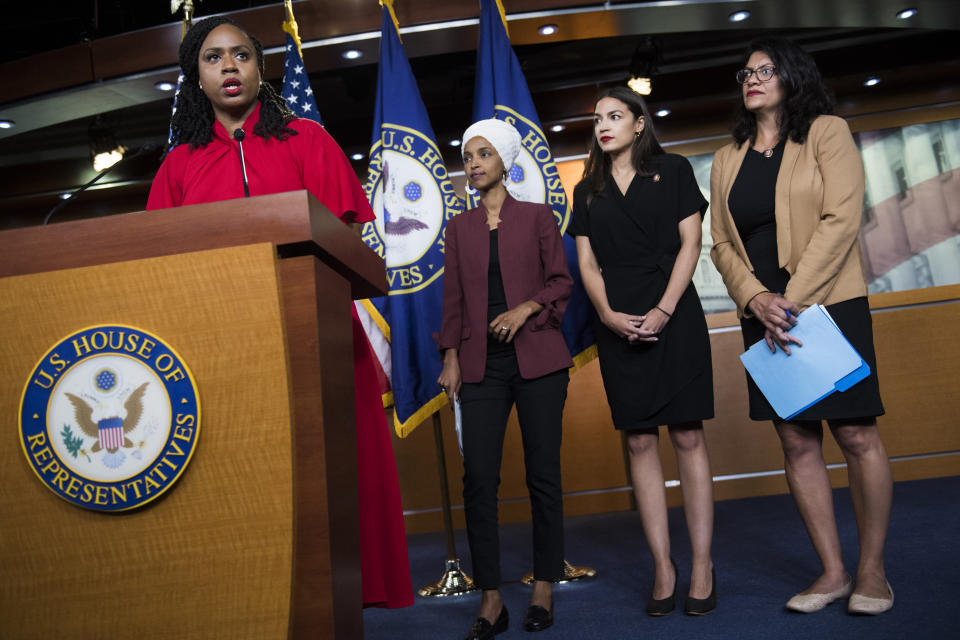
(504, 327)
(633, 329)
(778, 315)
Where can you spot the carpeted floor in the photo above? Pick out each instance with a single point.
(762, 557)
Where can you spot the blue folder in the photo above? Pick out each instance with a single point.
(825, 364)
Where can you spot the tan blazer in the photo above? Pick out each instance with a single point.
(819, 203)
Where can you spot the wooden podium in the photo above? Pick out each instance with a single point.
(258, 538)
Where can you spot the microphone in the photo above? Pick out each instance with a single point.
(239, 135)
(73, 196)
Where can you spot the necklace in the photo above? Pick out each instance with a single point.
(768, 153)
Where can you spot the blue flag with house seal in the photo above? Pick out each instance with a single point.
(410, 192)
(500, 91)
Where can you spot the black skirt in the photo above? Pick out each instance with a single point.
(860, 401)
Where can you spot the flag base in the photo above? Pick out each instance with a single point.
(453, 583)
(570, 574)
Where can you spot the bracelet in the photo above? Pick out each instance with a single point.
(669, 315)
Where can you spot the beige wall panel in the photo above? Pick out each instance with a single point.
(736, 443)
(216, 548)
(918, 372)
(918, 367)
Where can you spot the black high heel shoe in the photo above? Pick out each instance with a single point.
(703, 606)
(665, 606)
(483, 629)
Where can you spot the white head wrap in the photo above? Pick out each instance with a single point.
(503, 136)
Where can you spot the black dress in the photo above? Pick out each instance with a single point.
(635, 238)
(752, 203)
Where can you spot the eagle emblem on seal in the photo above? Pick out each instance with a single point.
(110, 429)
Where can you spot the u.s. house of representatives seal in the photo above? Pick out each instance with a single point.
(109, 418)
(412, 196)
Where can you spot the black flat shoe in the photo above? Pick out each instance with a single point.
(537, 618)
(665, 606)
(703, 606)
(482, 629)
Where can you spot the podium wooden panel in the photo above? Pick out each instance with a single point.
(258, 537)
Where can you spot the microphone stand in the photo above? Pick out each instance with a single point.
(239, 135)
(96, 178)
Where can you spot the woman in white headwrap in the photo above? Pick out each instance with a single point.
(506, 285)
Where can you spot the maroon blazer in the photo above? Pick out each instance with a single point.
(533, 264)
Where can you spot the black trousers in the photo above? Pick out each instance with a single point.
(485, 408)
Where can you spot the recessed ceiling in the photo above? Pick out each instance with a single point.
(698, 48)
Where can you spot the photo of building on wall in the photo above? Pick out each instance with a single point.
(910, 234)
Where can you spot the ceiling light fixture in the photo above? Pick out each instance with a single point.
(663, 113)
(739, 16)
(163, 85)
(643, 66)
(65, 196)
(906, 14)
(643, 86)
(104, 149)
(357, 156)
(107, 159)
(557, 128)
(548, 29)
(455, 143)
(351, 54)
(871, 81)
(7, 124)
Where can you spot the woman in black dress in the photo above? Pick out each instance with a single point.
(787, 199)
(637, 216)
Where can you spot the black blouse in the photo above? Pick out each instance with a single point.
(496, 298)
(752, 204)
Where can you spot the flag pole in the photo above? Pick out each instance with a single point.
(454, 581)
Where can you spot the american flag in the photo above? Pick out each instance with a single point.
(171, 143)
(296, 85)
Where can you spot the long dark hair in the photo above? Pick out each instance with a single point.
(805, 96)
(596, 170)
(192, 123)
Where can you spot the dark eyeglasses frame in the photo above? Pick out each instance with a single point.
(744, 75)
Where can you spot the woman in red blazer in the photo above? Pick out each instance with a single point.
(506, 285)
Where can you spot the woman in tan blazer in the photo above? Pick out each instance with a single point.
(786, 203)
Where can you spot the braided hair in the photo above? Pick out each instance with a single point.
(192, 122)
(805, 94)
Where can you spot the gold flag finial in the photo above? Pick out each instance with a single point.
(393, 14)
(503, 17)
(290, 25)
(187, 13)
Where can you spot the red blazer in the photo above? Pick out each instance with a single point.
(533, 264)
